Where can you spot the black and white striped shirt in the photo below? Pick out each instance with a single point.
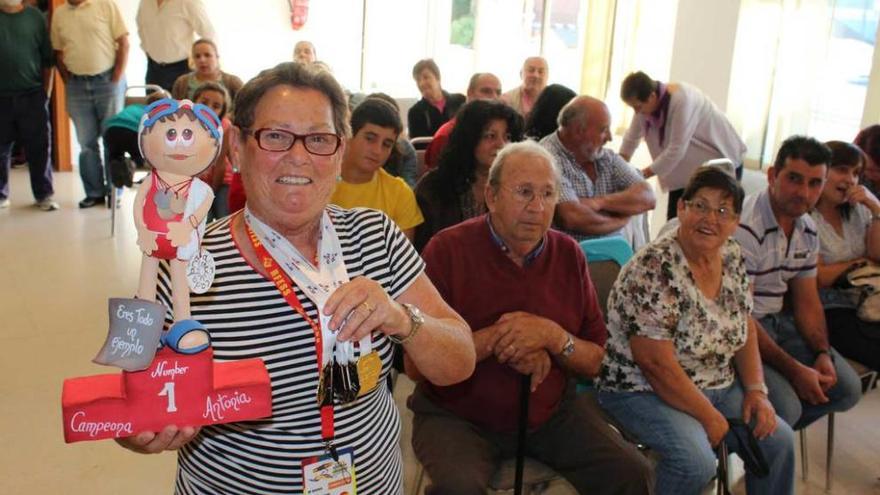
(247, 317)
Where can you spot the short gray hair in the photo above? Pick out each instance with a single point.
(296, 75)
(527, 147)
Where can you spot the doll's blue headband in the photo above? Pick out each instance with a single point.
(168, 106)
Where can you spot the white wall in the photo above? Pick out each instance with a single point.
(702, 51)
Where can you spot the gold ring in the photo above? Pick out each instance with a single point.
(368, 307)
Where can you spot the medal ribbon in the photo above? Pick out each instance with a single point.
(285, 287)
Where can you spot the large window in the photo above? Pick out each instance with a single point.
(838, 99)
(371, 45)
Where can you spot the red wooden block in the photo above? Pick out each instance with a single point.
(178, 389)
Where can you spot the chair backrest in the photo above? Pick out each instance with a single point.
(605, 257)
(421, 146)
(131, 98)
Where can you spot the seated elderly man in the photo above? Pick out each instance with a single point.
(600, 191)
(526, 292)
(482, 86)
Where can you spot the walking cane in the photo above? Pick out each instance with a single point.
(524, 390)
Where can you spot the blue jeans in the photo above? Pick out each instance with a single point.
(91, 101)
(687, 460)
(24, 118)
(799, 414)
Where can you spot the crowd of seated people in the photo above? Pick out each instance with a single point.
(697, 340)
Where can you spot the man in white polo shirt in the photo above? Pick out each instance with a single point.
(167, 29)
(91, 48)
(806, 378)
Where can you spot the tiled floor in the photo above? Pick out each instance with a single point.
(57, 270)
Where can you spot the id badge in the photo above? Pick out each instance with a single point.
(325, 476)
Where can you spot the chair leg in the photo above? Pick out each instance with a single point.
(829, 453)
(804, 460)
(722, 476)
(112, 201)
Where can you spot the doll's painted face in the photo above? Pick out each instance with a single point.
(180, 144)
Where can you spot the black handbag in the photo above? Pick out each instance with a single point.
(747, 448)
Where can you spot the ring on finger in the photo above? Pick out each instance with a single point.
(367, 306)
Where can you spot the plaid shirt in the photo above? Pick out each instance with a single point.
(613, 174)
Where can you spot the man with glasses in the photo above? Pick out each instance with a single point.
(806, 378)
(527, 295)
(600, 191)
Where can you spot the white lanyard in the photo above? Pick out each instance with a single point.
(316, 282)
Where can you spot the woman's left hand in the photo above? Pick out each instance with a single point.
(860, 194)
(360, 306)
(756, 405)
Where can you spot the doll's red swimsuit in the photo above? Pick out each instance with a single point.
(157, 224)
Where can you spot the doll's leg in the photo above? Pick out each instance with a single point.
(149, 276)
(186, 336)
(180, 290)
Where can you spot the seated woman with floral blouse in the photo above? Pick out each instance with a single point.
(682, 353)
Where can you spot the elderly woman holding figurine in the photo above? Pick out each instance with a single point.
(319, 293)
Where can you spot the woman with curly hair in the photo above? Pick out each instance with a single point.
(453, 192)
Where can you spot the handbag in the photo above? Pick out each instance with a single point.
(866, 278)
(747, 448)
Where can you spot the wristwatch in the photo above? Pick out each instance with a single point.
(823, 351)
(758, 387)
(568, 348)
(416, 318)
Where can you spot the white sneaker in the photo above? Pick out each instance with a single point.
(47, 204)
(4, 203)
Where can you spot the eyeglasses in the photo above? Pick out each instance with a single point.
(703, 209)
(525, 195)
(316, 143)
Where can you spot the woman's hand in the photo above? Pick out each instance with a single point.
(716, 427)
(360, 306)
(756, 405)
(170, 438)
(860, 194)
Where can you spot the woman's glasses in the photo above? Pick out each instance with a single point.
(316, 143)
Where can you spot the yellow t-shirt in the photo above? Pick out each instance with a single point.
(385, 193)
(87, 34)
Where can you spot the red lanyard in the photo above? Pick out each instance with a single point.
(285, 287)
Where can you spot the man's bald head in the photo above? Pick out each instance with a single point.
(580, 110)
(585, 127)
(484, 86)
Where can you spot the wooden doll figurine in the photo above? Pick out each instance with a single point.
(178, 139)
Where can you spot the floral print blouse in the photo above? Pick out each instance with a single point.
(656, 296)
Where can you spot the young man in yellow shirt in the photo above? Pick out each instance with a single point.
(375, 126)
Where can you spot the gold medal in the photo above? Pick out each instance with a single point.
(369, 368)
